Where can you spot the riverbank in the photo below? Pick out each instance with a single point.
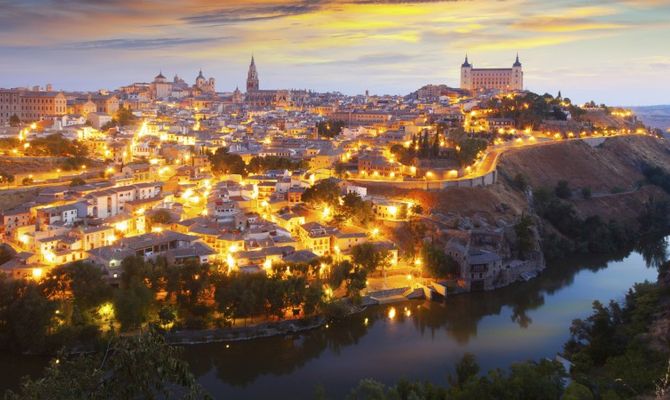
(528, 320)
(236, 334)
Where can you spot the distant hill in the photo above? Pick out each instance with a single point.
(655, 116)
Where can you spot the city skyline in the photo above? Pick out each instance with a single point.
(608, 51)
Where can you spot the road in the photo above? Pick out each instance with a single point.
(490, 160)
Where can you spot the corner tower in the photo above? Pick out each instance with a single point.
(517, 75)
(466, 75)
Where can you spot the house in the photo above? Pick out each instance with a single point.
(344, 241)
(174, 246)
(110, 202)
(316, 237)
(23, 265)
(14, 218)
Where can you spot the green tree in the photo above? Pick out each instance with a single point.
(439, 264)
(520, 182)
(469, 148)
(26, 316)
(577, 391)
(82, 280)
(132, 305)
(160, 216)
(6, 178)
(330, 128)
(14, 120)
(225, 163)
(142, 366)
(524, 236)
(369, 257)
(466, 368)
(124, 116)
(563, 190)
(77, 182)
(355, 208)
(323, 192)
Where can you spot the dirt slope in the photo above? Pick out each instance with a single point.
(613, 164)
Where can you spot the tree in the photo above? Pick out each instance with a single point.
(77, 182)
(14, 120)
(524, 235)
(125, 116)
(82, 280)
(355, 208)
(417, 209)
(577, 391)
(469, 149)
(27, 181)
(586, 193)
(323, 192)
(26, 316)
(563, 190)
(520, 182)
(438, 263)
(132, 305)
(142, 366)
(160, 216)
(262, 164)
(6, 178)
(368, 389)
(330, 129)
(225, 163)
(368, 257)
(466, 368)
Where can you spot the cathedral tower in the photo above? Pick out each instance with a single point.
(252, 77)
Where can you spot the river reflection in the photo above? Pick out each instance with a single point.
(423, 341)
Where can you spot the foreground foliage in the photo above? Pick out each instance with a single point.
(130, 367)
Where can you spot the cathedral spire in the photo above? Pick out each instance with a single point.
(517, 63)
(252, 76)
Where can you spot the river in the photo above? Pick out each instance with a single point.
(423, 341)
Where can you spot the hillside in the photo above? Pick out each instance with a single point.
(612, 170)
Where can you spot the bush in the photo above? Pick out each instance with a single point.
(77, 182)
(563, 190)
(586, 193)
(520, 182)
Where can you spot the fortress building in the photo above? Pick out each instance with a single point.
(503, 79)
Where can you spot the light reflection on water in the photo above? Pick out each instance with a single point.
(524, 321)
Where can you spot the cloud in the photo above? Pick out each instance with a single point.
(252, 13)
(559, 25)
(139, 44)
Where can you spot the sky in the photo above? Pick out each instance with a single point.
(611, 51)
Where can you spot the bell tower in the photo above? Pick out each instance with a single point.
(252, 77)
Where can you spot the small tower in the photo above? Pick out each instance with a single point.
(200, 80)
(252, 77)
(466, 75)
(517, 75)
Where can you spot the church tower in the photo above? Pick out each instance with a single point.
(252, 77)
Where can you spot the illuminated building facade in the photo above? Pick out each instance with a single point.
(503, 79)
